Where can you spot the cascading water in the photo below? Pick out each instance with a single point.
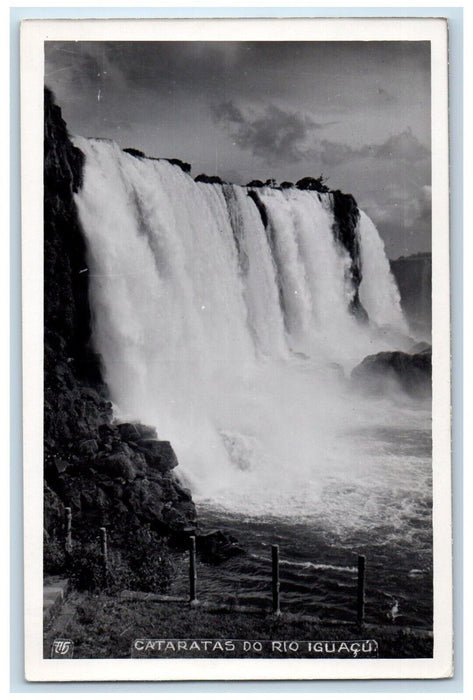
(383, 303)
(234, 335)
(224, 317)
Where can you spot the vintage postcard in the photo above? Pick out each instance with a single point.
(236, 349)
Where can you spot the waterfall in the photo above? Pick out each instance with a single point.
(226, 321)
(381, 301)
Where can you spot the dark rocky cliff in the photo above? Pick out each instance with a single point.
(347, 216)
(413, 275)
(105, 471)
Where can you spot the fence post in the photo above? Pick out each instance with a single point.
(192, 571)
(360, 603)
(275, 578)
(104, 553)
(67, 533)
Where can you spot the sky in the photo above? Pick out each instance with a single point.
(356, 112)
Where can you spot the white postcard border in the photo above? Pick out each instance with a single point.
(34, 33)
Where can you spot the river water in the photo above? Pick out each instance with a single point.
(390, 525)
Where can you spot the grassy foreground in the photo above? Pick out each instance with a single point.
(105, 626)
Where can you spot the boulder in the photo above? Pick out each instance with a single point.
(116, 465)
(175, 518)
(129, 432)
(216, 546)
(182, 493)
(107, 432)
(159, 454)
(146, 431)
(384, 371)
(144, 499)
(88, 448)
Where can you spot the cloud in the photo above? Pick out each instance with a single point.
(404, 147)
(227, 112)
(384, 95)
(332, 153)
(422, 209)
(273, 135)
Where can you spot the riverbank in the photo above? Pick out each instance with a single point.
(104, 627)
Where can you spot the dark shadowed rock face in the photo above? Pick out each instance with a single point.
(185, 167)
(382, 372)
(347, 215)
(106, 472)
(413, 275)
(260, 206)
(134, 152)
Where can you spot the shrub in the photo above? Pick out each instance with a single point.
(209, 179)
(149, 561)
(317, 184)
(255, 183)
(85, 567)
(139, 561)
(54, 560)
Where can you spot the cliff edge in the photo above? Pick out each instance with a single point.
(108, 473)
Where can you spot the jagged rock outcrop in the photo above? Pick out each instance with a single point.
(347, 215)
(382, 372)
(260, 206)
(105, 471)
(185, 167)
(134, 152)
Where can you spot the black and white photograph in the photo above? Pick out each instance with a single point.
(243, 437)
